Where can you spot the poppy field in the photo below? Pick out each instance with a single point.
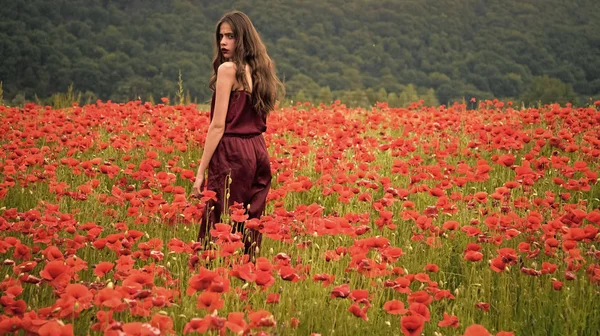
(447, 220)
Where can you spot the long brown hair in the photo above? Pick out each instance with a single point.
(249, 49)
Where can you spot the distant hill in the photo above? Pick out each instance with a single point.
(126, 49)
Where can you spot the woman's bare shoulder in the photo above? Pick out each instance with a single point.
(227, 69)
(232, 65)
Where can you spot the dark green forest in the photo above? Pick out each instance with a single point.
(360, 51)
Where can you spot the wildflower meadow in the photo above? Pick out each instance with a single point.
(480, 218)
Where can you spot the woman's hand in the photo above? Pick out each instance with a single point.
(198, 186)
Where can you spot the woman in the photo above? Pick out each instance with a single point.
(245, 89)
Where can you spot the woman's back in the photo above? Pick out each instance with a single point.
(242, 119)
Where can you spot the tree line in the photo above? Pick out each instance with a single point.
(358, 51)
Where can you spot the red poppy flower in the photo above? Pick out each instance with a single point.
(200, 281)
(210, 301)
(449, 321)
(548, 268)
(476, 330)
(359, 295)
(102, 268)
(593, 217)
(139, 329)
(76, 298)
(557, 285)
(10, 325)
(401, 286)
(395, 307)
(420, 309)
(264, 279)
(506, 160)
(450, 225)
(219, 284)
(473, 256)
(208, 195)
(431, 268)
(326, 279)
(261, 318)
(289, 274)
(483, 306)
(213, 322)
(497, 264)
(409, 204)
(21, 252)
(139, 280)
(272, 298)
(341, 291)
(508, 255)
(53, 253)
(57, 273)
(437, 192)
(12, 291)
(198, 325)
(358, 312)
(13, 307)
(244, 272)
(422, 277)
(481, 196)
(163, 323)
(420, 297)
(470, 230)
(411, 325)
(54, 328)
(263, 264)
(108, 297)
(444, 293)
(236, 323)
(391, 254)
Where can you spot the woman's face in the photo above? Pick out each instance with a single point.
(226, 41)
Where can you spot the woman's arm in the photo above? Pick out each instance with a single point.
(225, 81)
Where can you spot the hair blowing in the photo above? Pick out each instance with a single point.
(249, 49)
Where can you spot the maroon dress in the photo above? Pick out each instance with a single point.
(242, 155)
